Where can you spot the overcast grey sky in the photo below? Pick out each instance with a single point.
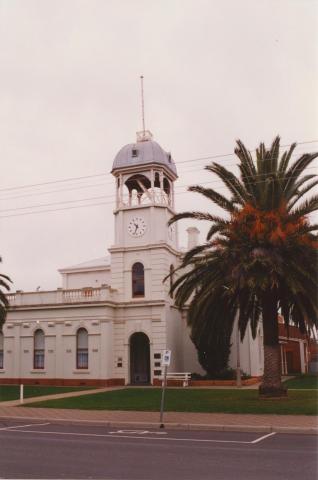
(215, 71)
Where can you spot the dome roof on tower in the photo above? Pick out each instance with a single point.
(144, 151)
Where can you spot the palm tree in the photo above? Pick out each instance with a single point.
(4, 304)
(260, 258)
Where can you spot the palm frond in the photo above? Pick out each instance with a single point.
(297, 169)
(4, 303)
(196, 216)
(300, 193)
(216, 197)
(285, 160)
(219, 227)
(305, 208)
(245, 157)
(240, 195)
(273, 155)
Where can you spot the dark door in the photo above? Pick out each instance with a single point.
(289, 361)
(139, 359)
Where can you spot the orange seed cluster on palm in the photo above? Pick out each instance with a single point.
(270, 226)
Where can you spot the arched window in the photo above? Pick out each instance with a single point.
(1, 350)
(138, 280)
(38, 351)
(82, 348)
(171, 279)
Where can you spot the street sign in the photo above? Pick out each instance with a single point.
(166, 357)
(165, 362)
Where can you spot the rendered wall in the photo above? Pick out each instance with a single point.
(174, 338)
(86, 279)
(190, 356)
(60, 327)
(140, 318)
(251, 352)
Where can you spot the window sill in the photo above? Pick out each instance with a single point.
(81, 370)
(2, 370)
(38, 370)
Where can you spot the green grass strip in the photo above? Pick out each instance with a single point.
(12, 392)
(303, 382)
(191, 400)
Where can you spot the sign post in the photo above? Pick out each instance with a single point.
(165, 362)
(21, 393)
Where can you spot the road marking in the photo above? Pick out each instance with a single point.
(197, 440)
(23, 426)
(263, 437)
(139, 432)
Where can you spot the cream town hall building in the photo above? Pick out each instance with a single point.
(113, 316)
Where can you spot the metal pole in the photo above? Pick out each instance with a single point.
(142, 104)
(21, 393)
(163, 397)
(238, 360)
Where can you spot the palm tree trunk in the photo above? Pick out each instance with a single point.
(271, 385)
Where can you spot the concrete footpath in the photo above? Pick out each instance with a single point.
(56, 396)
(304, 424)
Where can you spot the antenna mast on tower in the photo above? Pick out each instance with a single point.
(144, 134)
(142, 103)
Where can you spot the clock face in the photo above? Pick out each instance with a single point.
(137, 227)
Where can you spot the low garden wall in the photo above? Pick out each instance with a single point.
(69, 382)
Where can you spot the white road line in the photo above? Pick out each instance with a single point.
(198, 440)
(263, 437)
(23, 426)
(139, 432)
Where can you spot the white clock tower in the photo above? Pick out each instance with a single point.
(145, 176)
(144, 253)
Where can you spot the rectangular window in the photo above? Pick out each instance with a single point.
(38, 359)
(82, 358)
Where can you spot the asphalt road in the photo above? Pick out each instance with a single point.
(64, 451)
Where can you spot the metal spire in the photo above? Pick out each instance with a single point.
(144, 135)
(142, 104)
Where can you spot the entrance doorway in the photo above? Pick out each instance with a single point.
(290, 362)
(139, 359)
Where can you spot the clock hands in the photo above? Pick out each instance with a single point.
(136, 227)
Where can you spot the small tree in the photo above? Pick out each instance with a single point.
(4, 304)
